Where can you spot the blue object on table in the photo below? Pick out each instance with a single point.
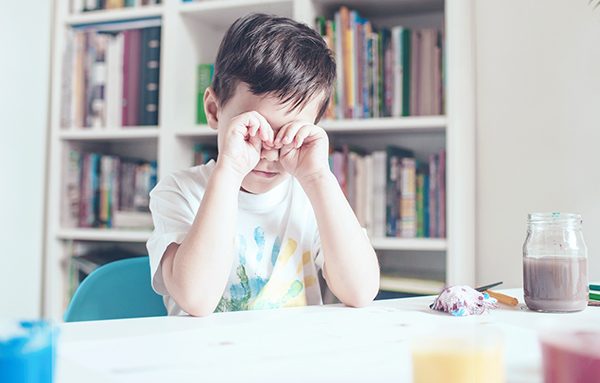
(27, 354)
(119, 289)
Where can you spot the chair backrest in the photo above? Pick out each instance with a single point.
(119, 289)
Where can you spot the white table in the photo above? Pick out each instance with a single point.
(307, 344)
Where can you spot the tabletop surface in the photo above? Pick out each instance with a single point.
(329, 343)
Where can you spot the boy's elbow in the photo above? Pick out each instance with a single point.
(361, 298)
(197, 309)
(195, 304)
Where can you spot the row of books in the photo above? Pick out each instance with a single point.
(111, 76)
(392, 193)
(78, 6)
(383, 72)
(107, 191)
(85, 257)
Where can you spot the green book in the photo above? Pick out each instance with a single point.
(205, 75)
(405, 49)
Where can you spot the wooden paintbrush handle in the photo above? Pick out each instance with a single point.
(507, 300)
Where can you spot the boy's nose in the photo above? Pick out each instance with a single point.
(269, 154)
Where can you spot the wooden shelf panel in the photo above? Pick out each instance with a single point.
(129, 133)
(366, 125)
(112, 15)
(384, 8)
(408, 244)
(110, 235)
(196, 131)
(387, 124)
(222, 13)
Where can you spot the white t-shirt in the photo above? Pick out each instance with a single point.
(277, 245)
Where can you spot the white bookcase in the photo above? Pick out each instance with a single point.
(191, 34)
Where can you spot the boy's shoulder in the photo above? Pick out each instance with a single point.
(187, 180)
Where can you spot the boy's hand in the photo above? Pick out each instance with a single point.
(303, 149)
(242, 142)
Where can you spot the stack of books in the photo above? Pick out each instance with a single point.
(393, 194)
(106, 191)
(111, 76)
(383, 72)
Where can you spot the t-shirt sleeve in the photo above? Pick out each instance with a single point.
(173, 216)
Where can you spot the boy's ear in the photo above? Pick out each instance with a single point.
(211, 108)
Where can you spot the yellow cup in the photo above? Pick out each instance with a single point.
(458, 356)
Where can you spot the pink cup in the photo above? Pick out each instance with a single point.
(571, 356)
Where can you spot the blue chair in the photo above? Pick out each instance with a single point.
(119, 289)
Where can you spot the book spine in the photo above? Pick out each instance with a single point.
(420, 206)
(442, 194)
(433, 196)
(367, 70)
(104, 187)
(72, 189)
(408, 211)
(426, 232)
(388, 74)
(339, 62)
(95, 187)
(406, 71)
(357, 61)
(128, 72)
(330, 38)
(149, 80)
(376, 85)
(415, 71)
(379, 193)
(67, 74)
(85, 192)
(391, 203)
(347, 61)
(397, 72)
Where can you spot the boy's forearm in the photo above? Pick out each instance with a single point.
(203, 261)
(351, 266)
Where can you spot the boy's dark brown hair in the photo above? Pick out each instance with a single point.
(274, 55)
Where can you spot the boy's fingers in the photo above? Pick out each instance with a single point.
(304, 132)
(266, 131)
(288, 132)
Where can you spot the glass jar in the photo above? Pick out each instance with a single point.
(555, 271)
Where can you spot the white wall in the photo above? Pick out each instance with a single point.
(538, 125)
(24, 75)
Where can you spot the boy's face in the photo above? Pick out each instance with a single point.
(268, 173)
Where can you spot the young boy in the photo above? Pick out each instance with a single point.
(251, 230)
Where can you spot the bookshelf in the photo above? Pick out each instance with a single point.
(190, 35)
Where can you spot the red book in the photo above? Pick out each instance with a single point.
(131, 68)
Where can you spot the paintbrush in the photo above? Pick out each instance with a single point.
(503, 298)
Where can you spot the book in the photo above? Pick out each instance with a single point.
(408, 210)
(98, 185)
(131, 78)
(205, 76)
(394, 155)
(149, 76)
